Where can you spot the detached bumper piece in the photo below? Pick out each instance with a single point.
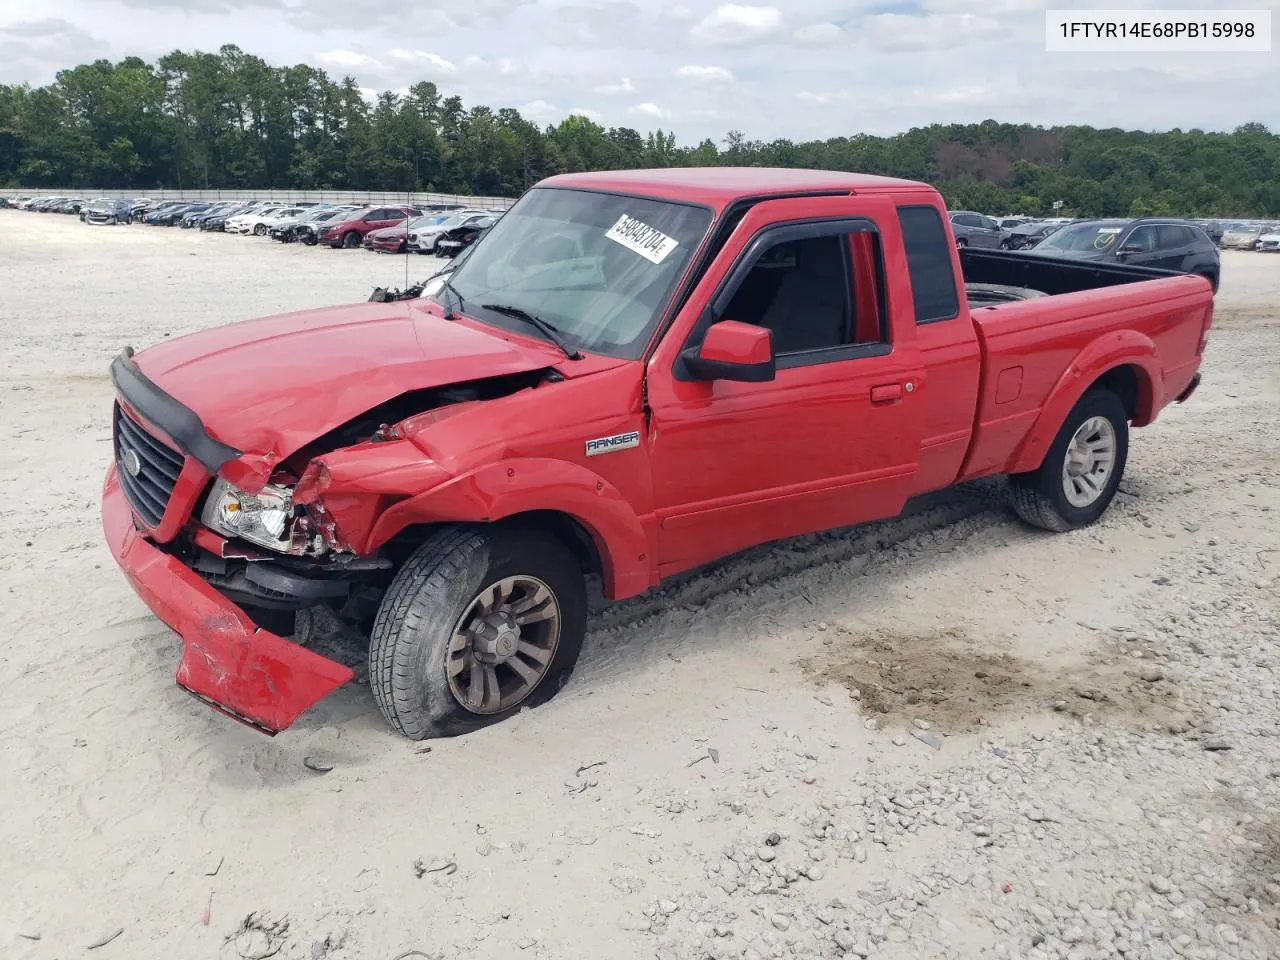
(243, 671)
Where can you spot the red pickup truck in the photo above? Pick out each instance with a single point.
(632, 374)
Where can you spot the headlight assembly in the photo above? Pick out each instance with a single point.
(264, 518)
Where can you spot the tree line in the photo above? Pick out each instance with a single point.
(230, 120)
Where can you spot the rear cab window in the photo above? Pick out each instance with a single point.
(933, 281)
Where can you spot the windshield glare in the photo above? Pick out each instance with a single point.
(1084, 237)
(597, 266)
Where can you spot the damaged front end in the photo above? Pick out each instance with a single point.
(256, 559)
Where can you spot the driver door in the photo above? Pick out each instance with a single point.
(833, 439)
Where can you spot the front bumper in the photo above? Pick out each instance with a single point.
(241, 670)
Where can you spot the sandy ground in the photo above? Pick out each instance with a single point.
(943, 736)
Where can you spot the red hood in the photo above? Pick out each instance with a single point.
(389, 233)
(274, 384)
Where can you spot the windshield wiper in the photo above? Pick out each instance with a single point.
(547, 330)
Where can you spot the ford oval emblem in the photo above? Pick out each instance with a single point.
(130, 461)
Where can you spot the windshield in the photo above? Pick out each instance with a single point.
(597, 266)
(1084, 237)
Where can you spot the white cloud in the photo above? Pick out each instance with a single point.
(896, 31)
(710, 74)
(817, 33)
(612, 89)
(650, 110)
(731, 24)
(347, 58)
(822, 99)
(421, 56)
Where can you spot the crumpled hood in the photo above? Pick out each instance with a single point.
(271, 385)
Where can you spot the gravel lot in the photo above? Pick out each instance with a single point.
(944, 736)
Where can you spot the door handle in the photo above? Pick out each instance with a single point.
(886, 393)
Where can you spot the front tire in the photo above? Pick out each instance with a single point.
(1082, 469)
(478, 623)
(350, 240)
(259, 229)
(961, 243)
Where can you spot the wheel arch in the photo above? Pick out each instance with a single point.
(569, 502)
(1124, 362)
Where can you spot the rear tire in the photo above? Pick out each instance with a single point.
(1087, 458)
(429, 669)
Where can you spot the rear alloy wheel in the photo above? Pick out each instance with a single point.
(478, 623)
(350, 240)
(1081, 470)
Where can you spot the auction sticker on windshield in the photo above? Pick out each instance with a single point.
(639, 237)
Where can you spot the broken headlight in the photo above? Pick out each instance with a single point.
(262, 518)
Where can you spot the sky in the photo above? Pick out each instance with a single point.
(800, 69)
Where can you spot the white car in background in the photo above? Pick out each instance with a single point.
(280, 216)
(422, 239)
(1269, 242)
(243, 222)
(258, 222)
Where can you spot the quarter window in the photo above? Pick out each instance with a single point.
(933, 281)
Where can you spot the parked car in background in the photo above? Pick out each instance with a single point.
(4, 203)
(1269, 239)
(423, 239)
(217, 222)
(1242, 236)
(257, 222)
(305, 227)
(194, 218)
(168, 216)
(395, 239)
(975, 229)
(1151, 242)
(1029, 234)
(263, 227)
(454, 241)
(1009, 223)
(349, 232)
(108, 211)
(286, 230)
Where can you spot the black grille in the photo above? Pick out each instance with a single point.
(158, 468)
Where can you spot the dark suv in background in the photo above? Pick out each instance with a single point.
(1167, 244)
(976, 230)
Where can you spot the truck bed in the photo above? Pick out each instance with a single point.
(1032, 348)
(1051, 275)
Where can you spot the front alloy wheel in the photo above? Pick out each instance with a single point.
(503, 644)
(480, 622)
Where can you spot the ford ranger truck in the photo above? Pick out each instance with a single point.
(630, 375)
